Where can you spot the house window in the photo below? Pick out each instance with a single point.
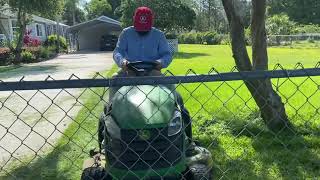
(39, 30)
(15, 27)
(48, 30)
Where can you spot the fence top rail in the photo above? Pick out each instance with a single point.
(132, 81)
(296, 35)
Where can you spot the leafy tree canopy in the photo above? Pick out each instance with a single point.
(301, 11)
(279, 24)
(96, 8)
(170, 15)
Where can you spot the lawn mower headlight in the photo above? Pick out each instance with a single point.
(175, 125)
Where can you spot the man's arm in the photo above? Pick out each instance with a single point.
(121, 49)
(164, 52)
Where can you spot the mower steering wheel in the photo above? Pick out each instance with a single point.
(142, 67)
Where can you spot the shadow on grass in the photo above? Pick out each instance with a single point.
(243, 148)
(226, 167)
(184, 55)
(290, 154)
(29, 70)
(43, 168)
(8, 68)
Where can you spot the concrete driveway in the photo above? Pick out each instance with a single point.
(32, 121)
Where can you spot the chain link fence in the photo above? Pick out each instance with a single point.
(297, 40)
(48, 129)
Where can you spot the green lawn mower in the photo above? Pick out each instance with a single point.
(145, 133)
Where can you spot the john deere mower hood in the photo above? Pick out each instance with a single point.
(143, 106)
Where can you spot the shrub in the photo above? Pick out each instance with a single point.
(28, 40)
(4, 56)
(181, 38)
(44, 53)
(311, 40)
(279, 24)
(189, 38)
(198, 38)
(209, 38)
(27, 56)
(171, 36)
(307, 29)
(52, 41)
(225, 40)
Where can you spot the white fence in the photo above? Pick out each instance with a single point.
(289, 39)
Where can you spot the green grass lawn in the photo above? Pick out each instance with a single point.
(225, 120)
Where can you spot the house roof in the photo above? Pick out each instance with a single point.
(103, 19)
(8, 14)
(44, 20)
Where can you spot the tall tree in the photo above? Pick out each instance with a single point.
(302, 11)
(72, 6)
(96, 8)
(269, 102)
(210, 16)
(72, 13)
(114, 5)
(170, 15)
(23, 9)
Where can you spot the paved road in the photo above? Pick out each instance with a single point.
(32, 116)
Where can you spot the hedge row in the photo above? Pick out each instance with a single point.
(210, 38)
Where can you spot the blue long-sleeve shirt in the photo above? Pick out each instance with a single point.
(151, 47)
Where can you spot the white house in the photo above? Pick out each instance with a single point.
(40, 27)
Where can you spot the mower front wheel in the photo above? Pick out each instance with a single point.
(95, 173)
(199, 172)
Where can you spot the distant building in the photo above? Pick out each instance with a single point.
(40, 27)
(97, 34)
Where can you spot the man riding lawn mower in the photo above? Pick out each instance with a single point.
(145, 131)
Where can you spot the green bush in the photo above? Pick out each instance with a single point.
(189, 38)
(209, 38)
(44, 53)
(279, 24)
(181, 38)
(171, 36)
(225, 40)
(4, 56)
(307, 29)
(311, 40)
(52, 41)
(27, 56)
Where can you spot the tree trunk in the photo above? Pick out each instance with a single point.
(22, 23)
(269, 102)
(58, 37)
(74, 17)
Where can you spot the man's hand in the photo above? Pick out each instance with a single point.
(159, 65)
(124, 65)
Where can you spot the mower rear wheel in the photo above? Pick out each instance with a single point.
(199, 172)
(95, 173)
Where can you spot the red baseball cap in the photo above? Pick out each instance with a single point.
(143, 19)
